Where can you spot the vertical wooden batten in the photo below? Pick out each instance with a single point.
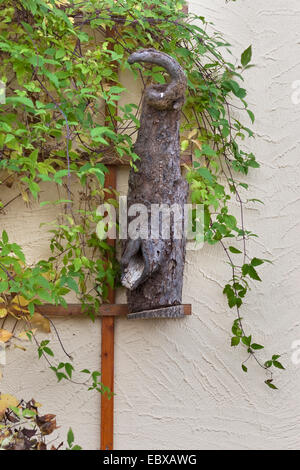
(107, 350)
(108, 326)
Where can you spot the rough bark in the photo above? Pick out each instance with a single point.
(152, 269)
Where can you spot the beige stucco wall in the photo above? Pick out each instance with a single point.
(178, 383)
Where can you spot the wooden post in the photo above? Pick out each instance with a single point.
(108, 324)
(107, 351)
(107, 368)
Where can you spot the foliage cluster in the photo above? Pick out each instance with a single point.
(60, 61)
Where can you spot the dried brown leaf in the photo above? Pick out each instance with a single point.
(40, 322)
(5, 335)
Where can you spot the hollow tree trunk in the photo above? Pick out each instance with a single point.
(152, 269)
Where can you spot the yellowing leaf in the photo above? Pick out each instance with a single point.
(184, 145)
(5, 335)
(47, 276)
(20, 301)
(23, 335)
(25, 197)
(18, 306)
(192, 133)
(3, 312)
(199, 144)
(16, 346)
(6, 401)
(40, 322)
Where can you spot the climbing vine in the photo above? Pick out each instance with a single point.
(60, 63)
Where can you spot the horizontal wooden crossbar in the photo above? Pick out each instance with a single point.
(75, 310)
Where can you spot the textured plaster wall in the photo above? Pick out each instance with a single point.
(178, 383)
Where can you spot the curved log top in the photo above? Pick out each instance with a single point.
(163, 96)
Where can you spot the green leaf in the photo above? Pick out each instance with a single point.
(44, 295)
(246, 56)
(205, 173)
(98, 132)
(253, 274)
(270, 384)
(16, 410)
(69, 369)
(28, 413)
(257, 262)
(248, 269)
(274, 358)
(245, 269)
(4, 237)
(70, 438)
(48, 351)
(20, 100)
(77, 264)
(3, 286)
(229, 292)
(207, 150)
(237, 331)
(60, 376)
(235, 341)
(256, 347)
(16, 249)
(247, 340)
(251, 115)
(268, 364)
(72, 284)
(234, 250)
(116, 89)
(184, 145)
(31, 308)
(230, 221)
(245, 369)
(278, 365)
(60, 53)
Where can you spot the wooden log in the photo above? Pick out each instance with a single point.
(152, 264)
